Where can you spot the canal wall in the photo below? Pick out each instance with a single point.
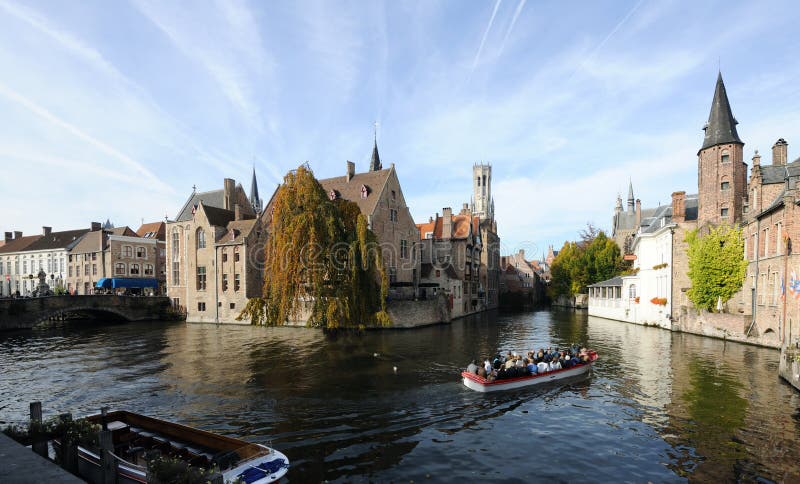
(729, 326)
(578, 301)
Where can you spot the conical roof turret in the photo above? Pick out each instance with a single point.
(721, 126)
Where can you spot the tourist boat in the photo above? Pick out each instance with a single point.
(481, 384)
(137, 438)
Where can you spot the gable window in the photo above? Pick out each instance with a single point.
(201, 239)
(725, 185)
(201, 278)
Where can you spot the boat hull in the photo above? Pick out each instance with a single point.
(474, 382)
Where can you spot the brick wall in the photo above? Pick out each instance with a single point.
(712, 171)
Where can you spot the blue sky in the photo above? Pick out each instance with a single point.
(115, 109)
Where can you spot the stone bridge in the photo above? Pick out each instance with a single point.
(22, 313)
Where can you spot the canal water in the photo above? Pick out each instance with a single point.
(659, 406)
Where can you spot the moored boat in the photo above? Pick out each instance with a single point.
(480, 384)
(139, 440)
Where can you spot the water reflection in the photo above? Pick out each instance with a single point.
(659, 406)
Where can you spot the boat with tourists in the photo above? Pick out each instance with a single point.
(144, 446)
(483, 381)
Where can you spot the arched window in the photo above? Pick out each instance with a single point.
(725, 184)
(632, 291)
(201, 239)
(176, 244)
(141, 253)
(134, 269)
(148, 269)
(119, 269)
(127, 251)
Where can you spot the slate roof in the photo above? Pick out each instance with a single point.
(213, 198)
(351, 190)
(57, 240)
(614, 281)
(652, 222)
(721, 126)
(125, 231)
(218, 217)
(771, 174)
(20, 244)
(375, 161)
(241, 229)
(254, 198)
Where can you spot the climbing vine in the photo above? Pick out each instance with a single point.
(716, 265)
(322, 262)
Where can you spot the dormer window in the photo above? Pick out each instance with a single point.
(332, 195)
(365, 192)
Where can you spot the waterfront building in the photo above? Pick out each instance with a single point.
(521, 281)
(24, 257)
(379, 196)
(117, 252)
(450, 251)
(214, 258)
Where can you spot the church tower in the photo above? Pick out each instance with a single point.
(721, 171)
(482, 190)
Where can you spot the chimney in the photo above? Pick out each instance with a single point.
(351, 170)
(638, 213)
(46, 231)
(780, 152)
(237, 214)
(678, 206)
(430, 221)
(17, 234)
(9, 237)
(447, 223)
(465, 209)
(522, 254)
(229, 189)
(96, 226)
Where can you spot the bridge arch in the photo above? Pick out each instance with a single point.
(116, 314)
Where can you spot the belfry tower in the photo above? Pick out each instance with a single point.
(482, 190)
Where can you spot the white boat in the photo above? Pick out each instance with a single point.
(480, 384)
(135, 436)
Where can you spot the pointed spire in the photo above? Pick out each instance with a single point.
(631, 200)
(721, 126)
(255, 201)
(375, 162)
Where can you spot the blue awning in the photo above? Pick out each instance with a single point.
(124, 282)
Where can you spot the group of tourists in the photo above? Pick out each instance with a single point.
(514, 365)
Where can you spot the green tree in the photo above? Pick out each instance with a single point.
(321, 261)
(716, 265)
(593, 259)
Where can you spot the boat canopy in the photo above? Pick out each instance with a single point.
(127, 282)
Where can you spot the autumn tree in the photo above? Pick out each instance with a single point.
(716, 265)
(321, 261)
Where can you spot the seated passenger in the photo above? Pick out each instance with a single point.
(543, 367)
(487, 367)
(555, 365)
(472, 367)
(532, 367)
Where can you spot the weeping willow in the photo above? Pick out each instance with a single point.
(322, 262)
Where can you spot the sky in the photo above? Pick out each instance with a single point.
(116, 109)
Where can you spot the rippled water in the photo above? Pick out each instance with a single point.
(659, 406)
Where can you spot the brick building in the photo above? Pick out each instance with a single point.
(214, 248)
(380, 198)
